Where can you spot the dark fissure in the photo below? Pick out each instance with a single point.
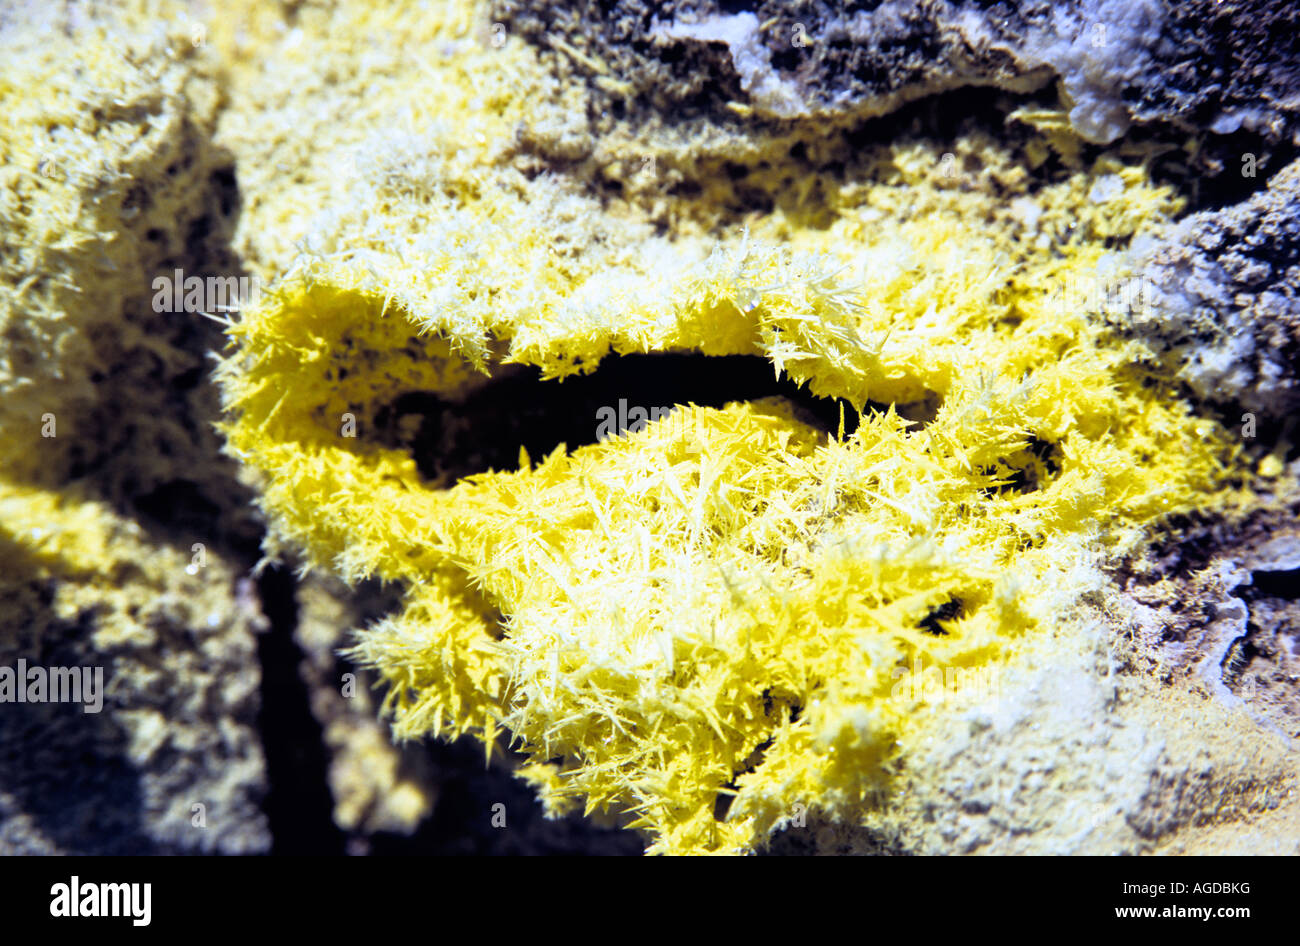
(452, 439)
(298, 805)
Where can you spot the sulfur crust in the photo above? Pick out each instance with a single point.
(722, 602)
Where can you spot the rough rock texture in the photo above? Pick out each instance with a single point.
(1223, 300)
(1216, 605)
(1117, 61)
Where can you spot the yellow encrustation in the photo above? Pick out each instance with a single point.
(722, 604)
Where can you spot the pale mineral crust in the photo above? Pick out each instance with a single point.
(1080, 753)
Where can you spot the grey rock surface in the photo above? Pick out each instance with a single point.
(1224, 299)
(1201, 64)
